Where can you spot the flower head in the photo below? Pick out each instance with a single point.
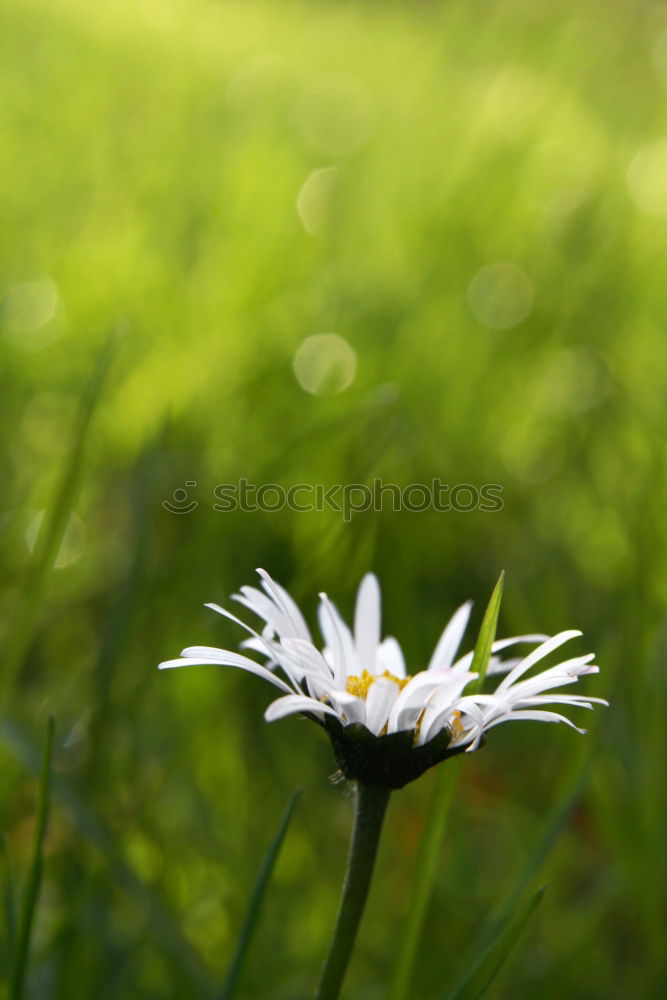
(388, 726)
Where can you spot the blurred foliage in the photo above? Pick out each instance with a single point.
(471, 195)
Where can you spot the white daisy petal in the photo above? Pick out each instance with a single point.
(287, 605)
(420, 693)
(440, 708)
(262, 606)
(382, 694)
(408, 707)
(367, 622)
(338, 642)
(309, 659)
(537, 654)
(564, 673)
(390, 657)
(516, 639)
(471, 731)
(567, 699)
(496, 665)
(228, 659)
(576, 700)
(450, 640)
(232, 618)
(534, 716)
(329, 616)
(271, 648)
(292, 704)
(257, 646)
(350, 707)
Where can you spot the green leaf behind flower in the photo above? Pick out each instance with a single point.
(19, 960)
(478, 979)
(487, 633)
(428, 861)
(256, 899)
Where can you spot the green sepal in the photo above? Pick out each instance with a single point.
(390, 761)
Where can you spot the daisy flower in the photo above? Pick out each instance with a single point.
(386, 725)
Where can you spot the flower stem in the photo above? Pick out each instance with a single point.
(370, 810)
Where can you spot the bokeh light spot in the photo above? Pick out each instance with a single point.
(28, 312)
(511, 102)
(575, 380)
(647, 178)
(73, 540)
(500, 296)
(313, 203)
(325, 364)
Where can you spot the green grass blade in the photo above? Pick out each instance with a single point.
(482, 973)
(553, 826)
(119, 872)
(52, 529)
(428, 860)
(31, 895)
(521, 882)
(487, 633)
(256, 899)
(9, 905)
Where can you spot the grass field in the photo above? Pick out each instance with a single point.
(472, 197)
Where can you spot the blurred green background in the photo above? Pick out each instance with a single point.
(473, 197)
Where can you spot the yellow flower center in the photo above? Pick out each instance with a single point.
(359, 686)
(456, 726)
